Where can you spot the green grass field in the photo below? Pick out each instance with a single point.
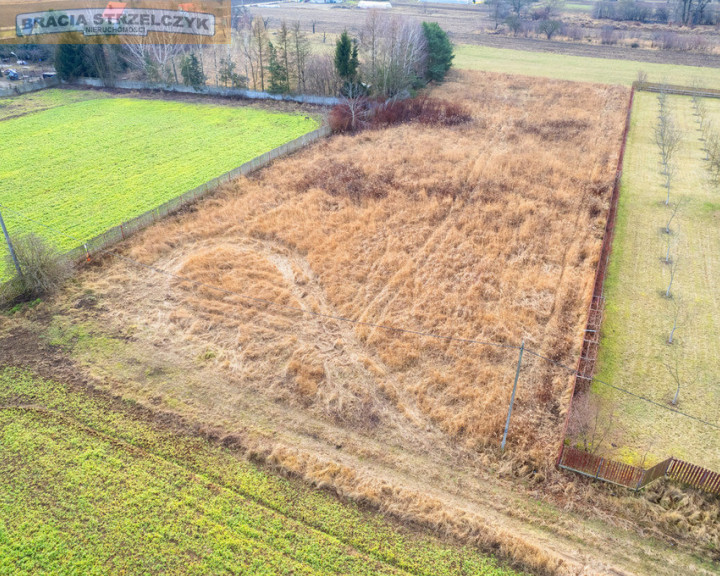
(639, 318)
(85, 165)
(87, 486)
(579, 68)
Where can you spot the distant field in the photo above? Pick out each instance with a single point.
(577, 7)
(89, 488)
(638, 318)
(579, 68)
(90, 162)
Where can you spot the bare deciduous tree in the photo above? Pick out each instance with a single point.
(676, 208)
(320, 75)
(712, 151)
(156, 61)
(260, 46)
(679, 316)
(673, 270)
(679, 376)
(668, 138)
(591, 423)
(396, 50)
(301, 52)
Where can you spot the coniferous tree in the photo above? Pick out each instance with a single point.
(192, 73)
(70, 61)
(440, 52)
(279, 83)
(346, 58)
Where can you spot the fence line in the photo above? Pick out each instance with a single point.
(32, 86)
(676, 90)
(209, 91)
(591, 337)
(636, 478)
(124, 229)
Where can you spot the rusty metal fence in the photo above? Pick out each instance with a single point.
(634, 477)
(591, 337)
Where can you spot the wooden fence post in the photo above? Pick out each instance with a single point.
(512, 398)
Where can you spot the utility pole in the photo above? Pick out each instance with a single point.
(10, 246)
(512, 399)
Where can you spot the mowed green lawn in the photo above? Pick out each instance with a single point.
(579, 68)
(84, 166)
(87, 486)
(638, 319)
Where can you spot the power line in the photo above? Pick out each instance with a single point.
(657, 404)
(575, 373)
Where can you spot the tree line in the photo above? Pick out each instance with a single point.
(390, 55)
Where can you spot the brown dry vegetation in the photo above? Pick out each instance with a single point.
(486, 231)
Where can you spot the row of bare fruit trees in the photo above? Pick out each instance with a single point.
(668, 138)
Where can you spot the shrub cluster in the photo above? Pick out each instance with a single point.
(353, 116)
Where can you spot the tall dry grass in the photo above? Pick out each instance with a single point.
(488, 230)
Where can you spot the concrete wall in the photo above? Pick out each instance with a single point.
(211, 91)
(25, 87)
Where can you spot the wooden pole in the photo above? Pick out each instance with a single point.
(512, 398)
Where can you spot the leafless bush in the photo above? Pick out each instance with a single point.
(352, 115)
(608, 35)
(528, 28)
(43, 268)
(669, 40)
(591, 424)
(320, 75)
(574, 32)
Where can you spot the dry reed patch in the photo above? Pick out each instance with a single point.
(488, 230)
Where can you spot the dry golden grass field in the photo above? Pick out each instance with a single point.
(488, 231)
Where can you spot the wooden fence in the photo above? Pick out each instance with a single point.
(695, 476)
(636, 478)
(677, 90)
